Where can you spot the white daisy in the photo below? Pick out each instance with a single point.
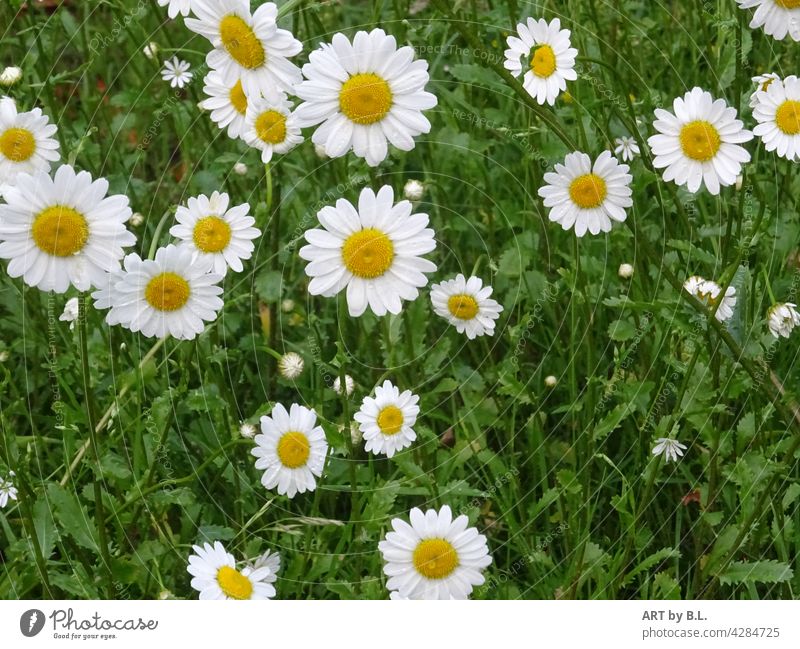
(708, 292)
(71, 312)
(270, 125)
(465, 304)
(176, 72)
(365, 94)
(777, 17)
(226, 102)
(762, 81)
(271, 560)
(699, 144)
(626, 148)
(782, 319)
(64, 230)
(7, 490)
(291, 365)
(291, 450)
(386, 420)
(549, 58)
(26, 141)
(248, 46)
(215, 575)
(214, 233)
(373, 251)
(173, 294)
(182, 7)
(435, 557)
(777, 112)
(588, 196)
(670, 449)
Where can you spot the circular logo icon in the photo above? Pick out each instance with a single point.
(31, 622)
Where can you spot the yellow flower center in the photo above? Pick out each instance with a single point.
(365, 98)
(293, 449)
(234, 584)
(271, 127)
(588, 191)
(463, 306)
(368, 253)
(435, 558)
(167, 292)
(60, 231)
(390, 420)
(788, 4)
(699, 140)
(787, 117)
(241, 42)
(543, 61)
(211, 234)
(17, 144)
(238, 98)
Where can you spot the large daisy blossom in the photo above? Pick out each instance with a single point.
(365, 94)
(373, 251)
(175, 7)
(248, 46)
(386, 420)
(434, 557)
(782, 318)
(699, 143)
(26, 141)
(588, 196)
(465, 304)
(708, 292)
(777, 112)
(270, 125)
(64, 230)
(215, 576)
(777, 17)
(549, 58)
(226, 101)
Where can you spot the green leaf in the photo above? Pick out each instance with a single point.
(73, 519)
(653, 560)
(767, 571)
(621, 330)
(665, 587)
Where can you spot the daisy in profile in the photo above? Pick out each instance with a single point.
(435, 557)
(291, 450)
(777, 17)
(387, 419)
(548, 55)
(373, 251)
(762, 81)
(270, 126)
(176, 72)
(699, 144)
(708, 292)
(588, 196)
(63, 231)
(215, 233)
(175, 7)
(247, 46)
(8, 491)
(670, 449)
(226, 101)
(777, 112)
(782, 318)
(366, 95)
(26, 141)
(215, 576)
(626, 148)
(465, 304)
(173, 294)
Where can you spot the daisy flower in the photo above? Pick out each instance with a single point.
(670, 449)
(465, 304)
(549, 58)
(777, 17)
(175, 7)
(291, 365)
(762, 81)
(247, 46)
(215, 234)
(71, 312)
(291, 450)
(626, 148)
(699, 144)
(7, 490)
(26, 141)
(63, 231)
(777, 112)
(176, 72)
(366, 94)
(387, 419)
(708, 292)
(782, 319)
(435, 557)
(373, 251)
(271, 560)
(214, 575)
(173, 294)
(588, 196)
(270, 126)
(226, 102)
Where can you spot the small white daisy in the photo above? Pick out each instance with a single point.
(588, 196)
(71, 312)
(7, 490)
(175, 7)
(214, 575)
(699, 144)
(777, 17)
(762, 81)
(366, 94)
(64, 230)
(777, 112)
(708, 292)
(176, 72)
(626, 148)
(387, 419)
(26, 141)
(291, 450)
(549, 58)
(172, 294)
(349, 385)
(373, 251)
(270, 126)
(465, 304)
(782, 319)
(435, 557)
(670, 449)
(291, 365)
(215, 233)
(226, 102)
